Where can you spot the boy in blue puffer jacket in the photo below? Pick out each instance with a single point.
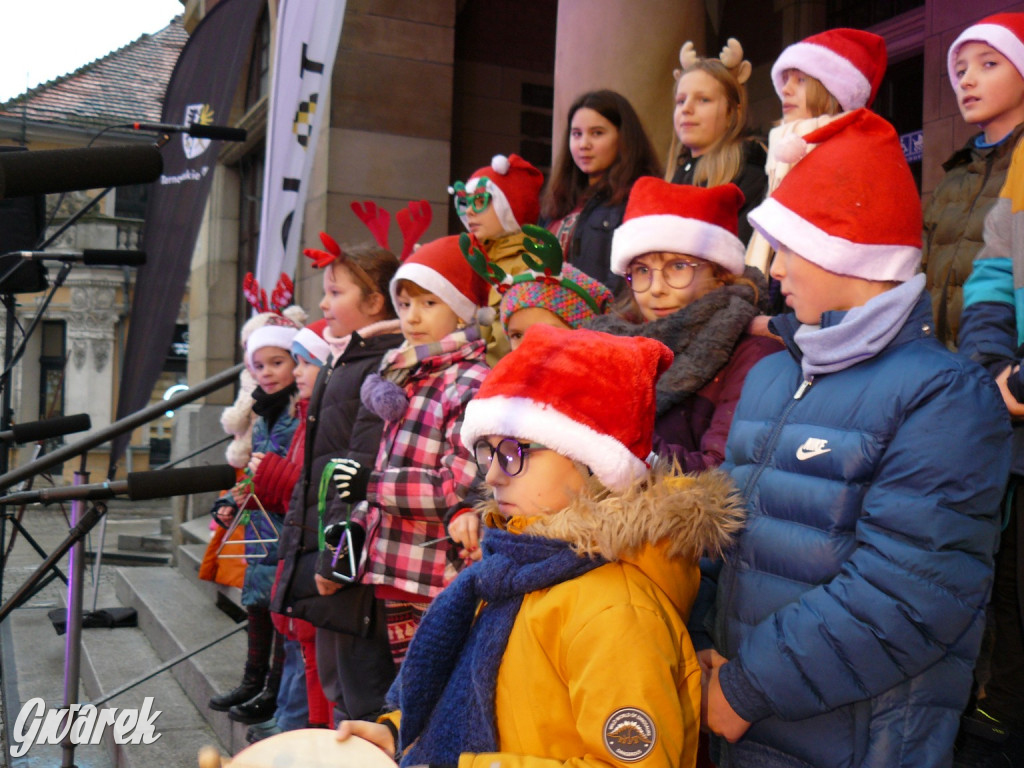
(849, 614)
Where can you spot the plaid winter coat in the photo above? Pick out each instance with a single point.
(422, 469)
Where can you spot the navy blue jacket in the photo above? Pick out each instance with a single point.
(853, 604)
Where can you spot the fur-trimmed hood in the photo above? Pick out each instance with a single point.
(662, 524)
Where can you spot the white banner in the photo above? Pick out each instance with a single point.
(308, 34)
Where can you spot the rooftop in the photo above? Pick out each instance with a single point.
(124, 86)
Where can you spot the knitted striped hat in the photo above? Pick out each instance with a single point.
(555, 297)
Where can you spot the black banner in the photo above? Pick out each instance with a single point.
(201, 90)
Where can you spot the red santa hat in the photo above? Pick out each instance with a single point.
(851, 217)
(440, 267)
(679, 218)
(557, 388)
(1002, 31)
(514, 185)
(850, 63)
(310, 345)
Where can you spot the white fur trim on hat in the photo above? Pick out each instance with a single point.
(667, 233)
(431, 280)
(839, 76)
(280, 336)
(525, 419)
(501, 205)
(995, 35)
(780, 225)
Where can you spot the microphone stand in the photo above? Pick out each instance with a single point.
(73, 620)
(11, 358)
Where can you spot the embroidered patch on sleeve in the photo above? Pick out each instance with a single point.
(629, 734)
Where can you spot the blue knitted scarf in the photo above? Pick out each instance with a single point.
(445, 688)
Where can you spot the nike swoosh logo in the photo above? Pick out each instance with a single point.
(803, 454)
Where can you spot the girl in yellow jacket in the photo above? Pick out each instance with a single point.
(566, 645)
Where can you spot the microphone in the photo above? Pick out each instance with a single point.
(199, 130)
(31, 431)
(90, 257)
(139, 486)
(64, 170)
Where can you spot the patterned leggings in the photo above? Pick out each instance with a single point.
(402, 618)
(265, 660)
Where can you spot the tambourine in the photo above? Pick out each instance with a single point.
(304, 748)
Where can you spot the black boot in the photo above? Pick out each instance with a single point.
(251, 685)
(258, 709)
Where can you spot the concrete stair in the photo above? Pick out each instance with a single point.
(112, 658)
(177, 614)
(177, 617)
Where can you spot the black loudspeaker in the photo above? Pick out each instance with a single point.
(22, 220)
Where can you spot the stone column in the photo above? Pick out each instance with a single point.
(612, 44)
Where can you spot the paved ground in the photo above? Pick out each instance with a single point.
(33, 654)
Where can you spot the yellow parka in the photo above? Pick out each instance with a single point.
(599, 670)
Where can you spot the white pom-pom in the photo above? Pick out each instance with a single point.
(791, 149)
(296, 314)
(486, 316)
(501, 164)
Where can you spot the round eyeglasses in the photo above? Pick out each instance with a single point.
(676, 274)
(510, 452)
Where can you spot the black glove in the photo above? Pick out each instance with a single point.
(334, 562)
(351, 479)
(227, 504)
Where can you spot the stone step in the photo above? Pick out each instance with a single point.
(112, 658)
(145, 542)
(176, 616)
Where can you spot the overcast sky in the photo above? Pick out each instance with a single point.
(44, 39)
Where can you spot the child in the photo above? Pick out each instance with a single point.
(985, 64)
(566, 644)
(816, 79)
(268, 357)
(604, 150)
(300, 701)
(710, 118)
(549, 293)
(352, 655)
(679, 252)
(493, 206)
(547, 290)
(990, 333)
(850, 612)
(422, 467)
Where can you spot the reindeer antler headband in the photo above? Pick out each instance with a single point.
(280, 297)
(731, 58)
(543, 259)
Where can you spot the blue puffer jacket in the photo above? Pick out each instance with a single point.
(262, 558)
(853, 604)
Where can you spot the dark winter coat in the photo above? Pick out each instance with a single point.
(953, 224)
(751, 180)
(337, 426)
(852, 607)
(590, 248)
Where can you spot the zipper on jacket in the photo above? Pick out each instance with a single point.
(802, 389)
(776, 432)
(718, 633)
